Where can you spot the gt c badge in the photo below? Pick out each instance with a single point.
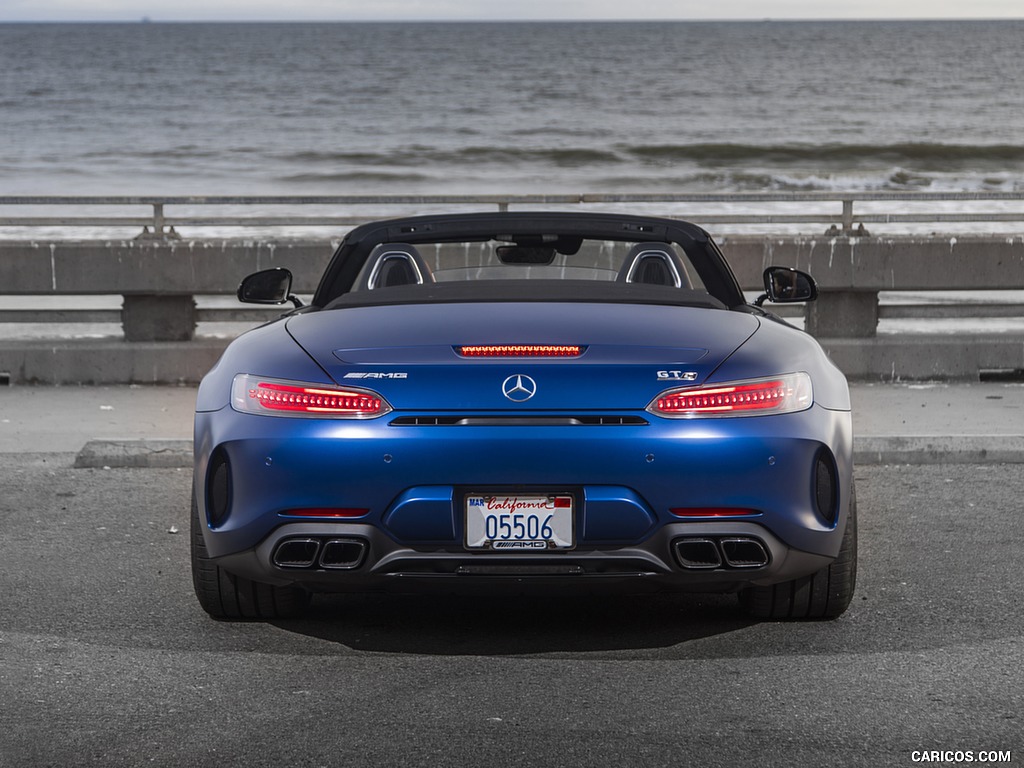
(677, 375)
(519, 388)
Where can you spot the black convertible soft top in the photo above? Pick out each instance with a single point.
(707, 259)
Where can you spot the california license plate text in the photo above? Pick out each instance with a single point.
(519, 523)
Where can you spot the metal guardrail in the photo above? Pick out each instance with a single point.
(114, 316)
(844, 221)
(159, 277)
(841, 211)
(895, 311)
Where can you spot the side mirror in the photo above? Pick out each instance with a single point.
(268, 286)
(784, 285)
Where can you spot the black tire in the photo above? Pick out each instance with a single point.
(822, 595)
(226, 596)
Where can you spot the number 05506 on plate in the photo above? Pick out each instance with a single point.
(511, 523)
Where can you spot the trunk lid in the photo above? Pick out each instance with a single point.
(409, 353)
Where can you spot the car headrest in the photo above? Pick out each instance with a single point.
(654, 264)
(396, 264)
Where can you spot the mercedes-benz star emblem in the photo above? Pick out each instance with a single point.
(519, 388)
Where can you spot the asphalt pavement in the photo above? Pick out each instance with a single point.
(107, 660)
(150, 426)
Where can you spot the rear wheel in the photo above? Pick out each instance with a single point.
(226, 596)
(822, 595)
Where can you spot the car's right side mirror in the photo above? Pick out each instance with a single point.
(784, 285)
(268, 286)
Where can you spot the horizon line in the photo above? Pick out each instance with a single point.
(756, 20)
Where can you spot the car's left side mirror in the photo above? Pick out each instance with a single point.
(784, 285)
(268, 286)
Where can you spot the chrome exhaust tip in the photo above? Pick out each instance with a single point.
(698, 554)
(296, 553)
(342, 554)
(744, 553)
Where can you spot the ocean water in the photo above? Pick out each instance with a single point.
(439, 108)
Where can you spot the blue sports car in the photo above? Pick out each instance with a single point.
(519, 401)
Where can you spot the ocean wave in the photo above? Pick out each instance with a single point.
(357, 176)
(739, 181)
(931, 155)
(562, 156)
(317, 157)
(907, 158)
(479, 155)
(180, 152)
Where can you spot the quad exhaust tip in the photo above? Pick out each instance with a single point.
(331, 554)
(342, 554)
(701, 553)
(296, 553)
(698, 553)
(743, 553)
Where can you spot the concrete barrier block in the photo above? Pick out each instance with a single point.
(149, 317)
(893, 263)
(850, 314)
(962, 357)
(939, 449)
(108, 361)
(154, 266)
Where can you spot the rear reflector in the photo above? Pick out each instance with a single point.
(755, 397)
(713, 512)
(521, 350)
(274, 397)
(322, 512)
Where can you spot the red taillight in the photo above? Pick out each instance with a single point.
(280, 397)
(762, 396)
(521, 350)
(283, 398)
(713, 512)
(324, 512)
(781, 394)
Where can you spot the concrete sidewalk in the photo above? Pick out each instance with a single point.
(119, 426)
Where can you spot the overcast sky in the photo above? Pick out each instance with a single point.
(409, 10)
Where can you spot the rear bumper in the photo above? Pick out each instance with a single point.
(384, 565)
(411, 482)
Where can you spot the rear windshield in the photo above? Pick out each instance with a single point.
(654, 264)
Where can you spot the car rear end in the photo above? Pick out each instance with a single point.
(617, 460)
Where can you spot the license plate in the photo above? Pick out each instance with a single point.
(514, 523)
